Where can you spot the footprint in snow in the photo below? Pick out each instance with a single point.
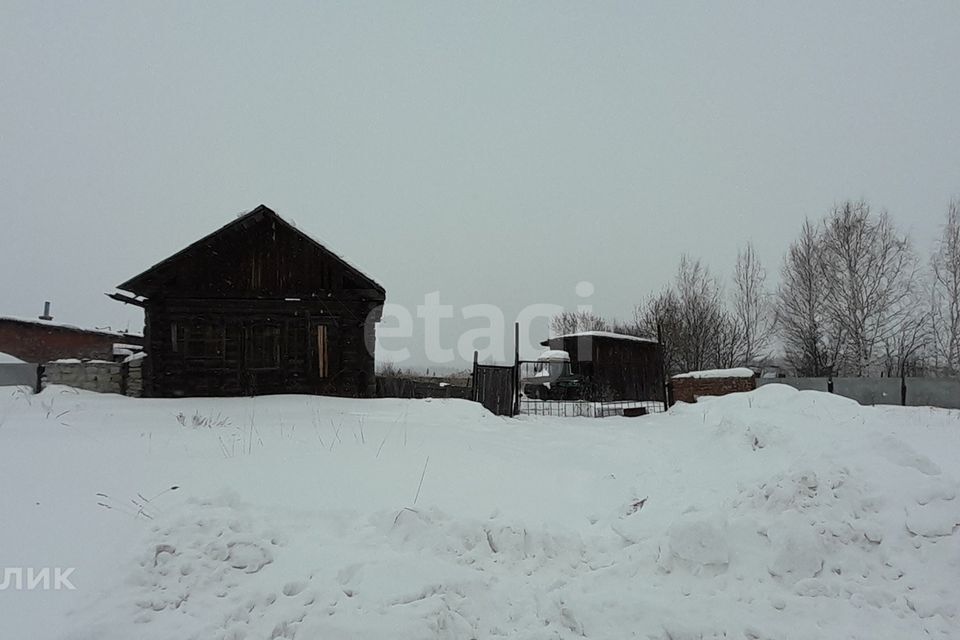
(247, 557)
(294, 588)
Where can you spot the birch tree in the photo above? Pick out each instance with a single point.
(801, 308)
(870, 272)
(945, 307)
(751, 318)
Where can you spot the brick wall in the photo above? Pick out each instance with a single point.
(38, 342)
(687, 389)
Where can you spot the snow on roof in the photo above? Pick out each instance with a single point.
(553, 355)
(63, 325)
(738, 372)
(122, 349)
(598, 334)
(6, 358)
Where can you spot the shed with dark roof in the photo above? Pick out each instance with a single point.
(615, 366)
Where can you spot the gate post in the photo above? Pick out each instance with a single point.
(473, 380)
(516, 368)
(667, 390)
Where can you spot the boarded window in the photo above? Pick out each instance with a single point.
(322, 352)
(176, 337)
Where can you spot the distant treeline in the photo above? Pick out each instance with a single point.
(854, 299)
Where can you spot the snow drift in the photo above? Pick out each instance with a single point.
(769, 514)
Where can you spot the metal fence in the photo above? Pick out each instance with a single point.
(911, 392)
(20, 374)
(589, 409)
(551, 389)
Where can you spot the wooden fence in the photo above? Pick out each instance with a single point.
(400, 387)
(495, 387)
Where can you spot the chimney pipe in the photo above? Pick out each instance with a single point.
(46, 311)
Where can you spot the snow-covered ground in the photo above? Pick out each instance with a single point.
(773, 514)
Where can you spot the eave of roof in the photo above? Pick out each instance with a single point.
(605, 335)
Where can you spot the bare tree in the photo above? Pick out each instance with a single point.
(905, 351)
(728, 342)
(632, 328)
(751, 318)
(871, 271)
(801, 317)
(945, 307)
(660, 316)
(690, 317)
(576, 321)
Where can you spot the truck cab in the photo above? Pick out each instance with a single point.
(552, 378)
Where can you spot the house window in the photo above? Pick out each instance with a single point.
(263, 347)
(197, 340)
(205, 341)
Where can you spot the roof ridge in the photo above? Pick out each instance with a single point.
(260, 209)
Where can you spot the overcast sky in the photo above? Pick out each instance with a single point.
(495, 152)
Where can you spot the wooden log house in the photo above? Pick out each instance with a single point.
(256, 307)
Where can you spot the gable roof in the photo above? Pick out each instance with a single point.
(261, 212)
